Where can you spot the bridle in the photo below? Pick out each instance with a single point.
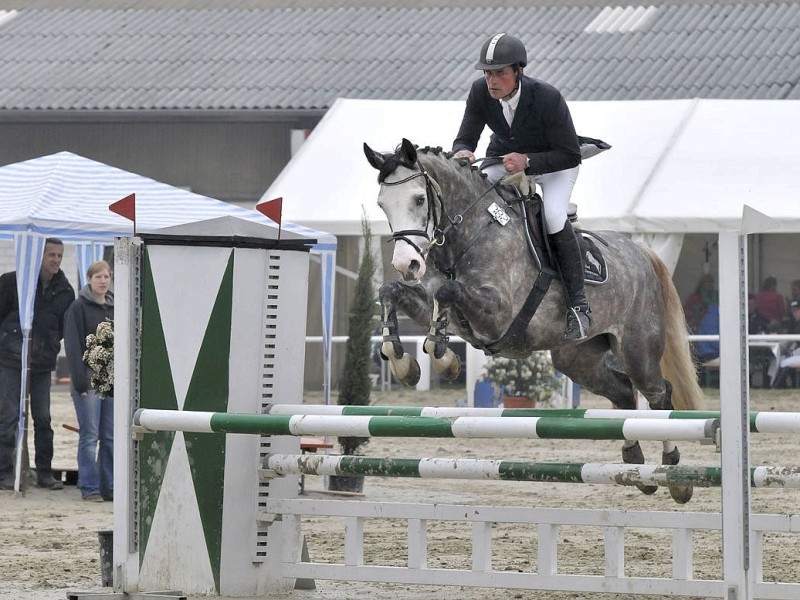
(433, 201)
(436, 215)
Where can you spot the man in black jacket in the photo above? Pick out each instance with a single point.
(54, 294)
(532, 131)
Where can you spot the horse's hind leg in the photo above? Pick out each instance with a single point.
(672, 456)
(445, 361)
(645, 371)
(590, 366)
(404, 367)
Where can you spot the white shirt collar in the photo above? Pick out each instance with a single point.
(514, 102)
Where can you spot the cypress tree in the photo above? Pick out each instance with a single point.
(355, 385)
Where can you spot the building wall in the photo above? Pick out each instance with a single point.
(228, 160)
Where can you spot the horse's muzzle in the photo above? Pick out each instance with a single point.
(408, 262)
(413, 272)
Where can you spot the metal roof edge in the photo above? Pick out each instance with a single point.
(210, 114)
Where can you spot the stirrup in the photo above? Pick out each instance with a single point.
(578, 321)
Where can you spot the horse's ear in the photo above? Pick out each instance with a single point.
(408, 152)
(375, 159)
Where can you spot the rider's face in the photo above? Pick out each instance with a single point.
(501, 82)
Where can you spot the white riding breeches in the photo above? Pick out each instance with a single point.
(556, 192)
(790, 361)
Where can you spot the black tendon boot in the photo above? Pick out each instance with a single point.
(570, 262)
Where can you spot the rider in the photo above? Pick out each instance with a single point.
(532, 131)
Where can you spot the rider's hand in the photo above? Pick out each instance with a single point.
(515, 162)
(465, 154)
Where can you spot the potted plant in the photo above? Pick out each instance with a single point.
(356, 384)
(523, 382)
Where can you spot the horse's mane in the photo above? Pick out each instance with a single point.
(462, 166)
(437, 161)
(436, 155)
(441, 166)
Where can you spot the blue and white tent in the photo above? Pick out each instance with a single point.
(67, 196)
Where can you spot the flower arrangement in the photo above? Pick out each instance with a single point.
(99, 356)
(533, 377)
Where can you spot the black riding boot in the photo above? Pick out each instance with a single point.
(780, 378)
(570, 261)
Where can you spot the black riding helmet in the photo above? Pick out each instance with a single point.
(502, 50)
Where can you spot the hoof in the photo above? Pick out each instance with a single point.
(633, 455)
(406, 370)
(453, 370)
(647, 490)
(671, 458)
(681, 493)
(413, 374)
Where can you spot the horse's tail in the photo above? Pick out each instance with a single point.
(677, 364)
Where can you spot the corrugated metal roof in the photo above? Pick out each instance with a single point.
(304, 58)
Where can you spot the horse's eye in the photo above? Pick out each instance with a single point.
(419, 199)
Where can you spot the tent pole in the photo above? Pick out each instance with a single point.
(22, 466)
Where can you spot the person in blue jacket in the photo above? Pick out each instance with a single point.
(709, 326)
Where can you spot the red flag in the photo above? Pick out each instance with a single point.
(125, 207)
(271, 209)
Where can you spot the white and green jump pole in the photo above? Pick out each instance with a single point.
(760, 421)
(404, 426)
(472, 469)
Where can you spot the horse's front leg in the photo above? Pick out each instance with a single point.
(414, 301)
(444, 360)
(481, 309)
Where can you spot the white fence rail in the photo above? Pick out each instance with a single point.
(684, 529)
(475, 359)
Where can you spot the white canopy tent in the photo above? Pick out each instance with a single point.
(675, 166)
(67, 196)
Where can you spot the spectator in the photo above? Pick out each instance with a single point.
(53, 296)
(793, 320)
(756, 322)
(709, 326)
(794, 291)
(790, 352)
(703, 296)
(770, 303)
(761, 359)
(95, 304)
(790, 323)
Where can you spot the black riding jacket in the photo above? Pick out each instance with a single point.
(49, 306)
(542, 126)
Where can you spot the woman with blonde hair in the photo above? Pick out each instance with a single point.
(95, 304)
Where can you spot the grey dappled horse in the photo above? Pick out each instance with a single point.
(462, 272)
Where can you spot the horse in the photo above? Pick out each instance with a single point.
(460, 252)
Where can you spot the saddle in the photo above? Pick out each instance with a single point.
(595, 269)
